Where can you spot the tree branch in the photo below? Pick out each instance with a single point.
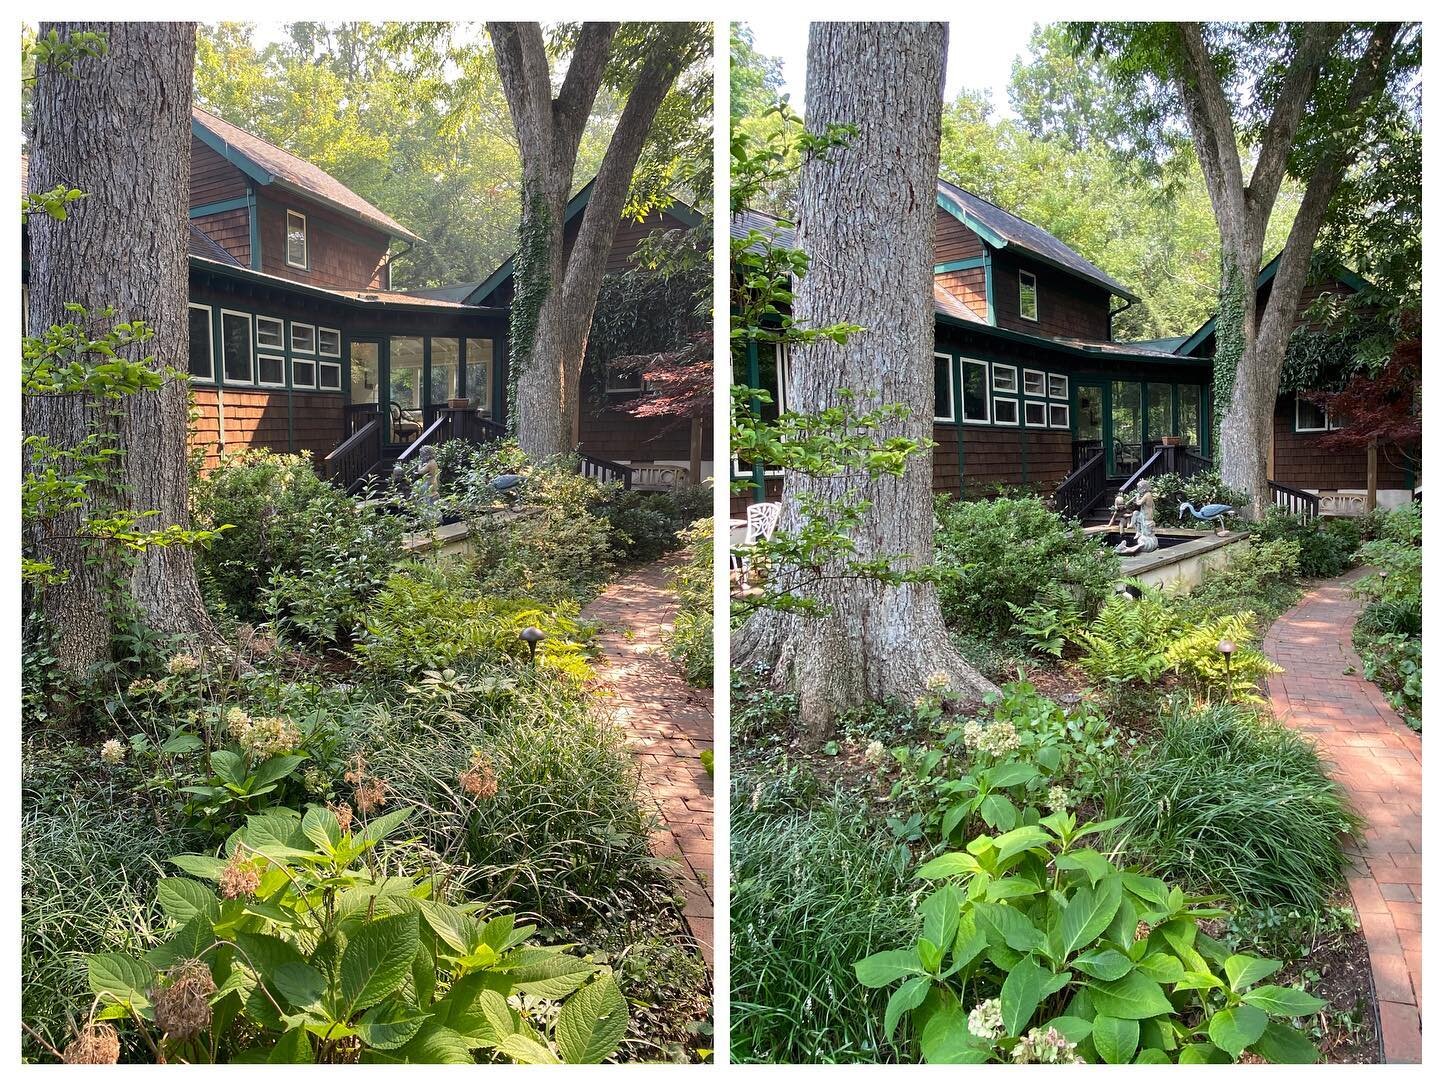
(1209, 114)
(571, 109)
(525, 76)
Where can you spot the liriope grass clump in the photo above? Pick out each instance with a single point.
(1230, 801)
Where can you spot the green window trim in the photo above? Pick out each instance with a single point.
(290, 234)
(1034, 306)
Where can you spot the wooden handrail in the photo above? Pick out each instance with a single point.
(442, 420)
(1295, 501)
(605, 471)
(353, 459)
(1082, 489)
(1143, 471)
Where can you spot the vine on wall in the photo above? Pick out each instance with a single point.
(1229, 336)
(532, 286)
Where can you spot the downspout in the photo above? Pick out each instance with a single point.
(1110, 318)
(391, 256)
(254, 210)
(989, 288)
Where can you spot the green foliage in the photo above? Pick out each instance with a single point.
(308, 953)
(998, 552)
(1041, 948)
(691, 642)
(1170, 490)
(1047, 621)
(1387, 633)
(434, 617)
(1260, 578)
(647, 524)
(809, 892)
(1227, 800)
(1326, 546)
(298, 552)
(59, 54)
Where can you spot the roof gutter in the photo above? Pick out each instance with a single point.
(1110, 316)
(1065, 349)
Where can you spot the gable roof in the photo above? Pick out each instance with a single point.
(481, 291)
(1344, 275)
(267, 164)
(1000, 228)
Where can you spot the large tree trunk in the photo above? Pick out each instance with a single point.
(867, 221)
(555, 296)
(119, 130)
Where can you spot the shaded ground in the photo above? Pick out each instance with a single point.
(1377, 759)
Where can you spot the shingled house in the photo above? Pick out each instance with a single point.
(299, 343)
(1033, 391)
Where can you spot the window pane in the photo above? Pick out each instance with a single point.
(1309, 416)
(330, 376)
(1029, 304)
(1060, 386)
(444, 369)
(769, 380)
(1007, 410)
(1035, 383)
(407, 363)
(295, 253)
(302, 337)
(364, 372)
(302, 373)
(974, 393)
(1004, 378)
(1158, 419)
(235, 338)
(1034, 414)
(1188, 422)
(944, 407)
(329, 342)
(479, 368)
(270, 332)
(202, 348)
(272, 370)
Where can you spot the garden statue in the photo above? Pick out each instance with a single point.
(1209, 512)
(1142, 523)
(427, 481)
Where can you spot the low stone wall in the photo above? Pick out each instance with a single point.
(1180, 568)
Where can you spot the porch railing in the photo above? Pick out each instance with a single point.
(1082, 489)
(350, 462)
(1295, 501)
(603, 471)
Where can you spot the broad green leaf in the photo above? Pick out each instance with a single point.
(300, 984)
(1008, 888)
(189, 941)
(1203, 1054)
(1076, 1029)
(1027, 985)
(229, 767)
(182, 899)
(1283, 1045)
(942, 910)
(1134, 997)
(969, 942)
(200, 866)
(951, 864)
(1090, 911)
(434, 1044)
(265, 954)
(376, 961)
(1025, 838)
(1011, 773)
(929, 955)
(1283, 1001)
(275, 769)
(292, 1048)
(322, 828)
(1010, 926)
(1244, 970)
(909, 996)
(526, 1051)
(553, 975)
(1235, 1029)
(1116, 1039)
(456, 929)
(592, 1022)
(1106, 965)
(1093, 864)
(885, 967)
(384, 825)
(1149, 889)
(390, 1024)
(120, 978)
(1153, 1056)
(998, 812)
(946, 1038)
(1162, 967)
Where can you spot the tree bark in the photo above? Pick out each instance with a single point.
(119, 130)
(555, 296)
(1250, 349)
(867, 221)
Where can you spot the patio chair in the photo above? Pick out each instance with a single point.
(761, 520)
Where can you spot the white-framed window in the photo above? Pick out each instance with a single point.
(974, 391)
(202, 343)
(1034, 382)
(330, 376)
(302, 374)
(944, 388)
(1059, 415)
(1004, 378)
(1029, 297)
(1311, 415)
(297, 240)
(328, 341)
(1007, 411)
(236, 347)
(623, 382)
(270, 370)
(479, 370)
(1059, 386)
(1035, 414)
(774, 377)
(302, 337)
(269, 333)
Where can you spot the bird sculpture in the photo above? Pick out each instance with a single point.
(1210, 512)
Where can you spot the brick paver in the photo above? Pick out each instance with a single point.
(1377, 758)
(669, 723)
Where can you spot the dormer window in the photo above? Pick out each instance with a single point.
(1029, 299)
(297, 243)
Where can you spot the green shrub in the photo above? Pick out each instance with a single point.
(1261, 577)
(649, 523)
(996, 553)
(1053, 952)
(301, 553)
(1326, 547)
(431, 617)
(808, 894)
(1171, 489)
(305, 952)
(1387, 633)
(1225, 800)
(692, 640)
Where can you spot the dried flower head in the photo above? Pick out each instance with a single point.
(240, 877)
(113, 752)
(1142, 930)
(237, 722)
(140, 687)
(1047, 1047)
(938, 682)
(370, 791)
(182, 664)
(97, 1044)
(479, 779)
(1058, 799)
(268, 737)
(986, 1020)
(875, 751)
(182, 1006)
(343, 814)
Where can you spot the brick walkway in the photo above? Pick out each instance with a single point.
(669, 723)
(1322, 692)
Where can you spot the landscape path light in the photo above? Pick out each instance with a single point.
(532, 636)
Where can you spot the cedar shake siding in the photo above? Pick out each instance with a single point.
(279, 421)
(1066, 305)
(967, 286)
(230, 229)
(343, 254)
(954, 241)
(212, 178)
(1300, 462)
(998, 456)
